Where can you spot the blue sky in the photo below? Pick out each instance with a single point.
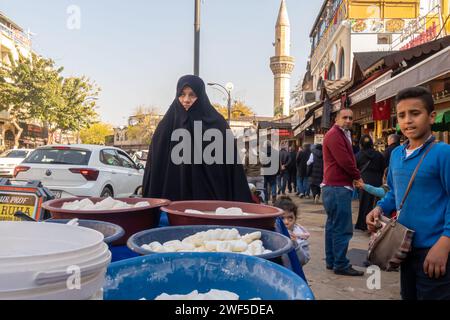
(136, 50)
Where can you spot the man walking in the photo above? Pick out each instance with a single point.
(270, 180)
(253, 171)
(340, 172)
(285, 160)
(302, 171)
(292, 168)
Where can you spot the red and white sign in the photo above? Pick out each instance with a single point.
(428, 35)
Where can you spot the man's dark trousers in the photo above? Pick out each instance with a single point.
(416, 285)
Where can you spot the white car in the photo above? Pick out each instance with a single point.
(83, 171)
(10, 159)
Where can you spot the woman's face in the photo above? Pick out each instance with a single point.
(187, 98)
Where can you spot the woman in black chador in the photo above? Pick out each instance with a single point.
(371, 164)
(166, 177)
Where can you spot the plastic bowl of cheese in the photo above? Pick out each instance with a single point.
(206, 239)
(224, 213)
(167, 274)
(132, 214)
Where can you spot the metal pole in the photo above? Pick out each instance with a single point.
(197, 39)
(229, 107)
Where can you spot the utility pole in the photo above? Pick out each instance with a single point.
(197, 39)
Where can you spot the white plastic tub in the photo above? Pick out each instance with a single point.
(48, 261)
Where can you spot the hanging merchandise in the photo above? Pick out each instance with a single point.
(326, 114)
(381, 110)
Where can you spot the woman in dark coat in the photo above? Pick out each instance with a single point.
(302, 171)
(176, 168)
(371, 164)
(316, 171)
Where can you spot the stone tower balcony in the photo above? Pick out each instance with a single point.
(282, 65)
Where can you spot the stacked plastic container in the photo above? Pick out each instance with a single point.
(51, 261)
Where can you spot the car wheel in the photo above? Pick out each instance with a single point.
(107, 192)
(138, 191)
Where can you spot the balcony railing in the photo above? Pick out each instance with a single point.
(329, 17)
(16, 35)
(331, 26)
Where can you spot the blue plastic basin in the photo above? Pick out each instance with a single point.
(181, 273)
(278, 243)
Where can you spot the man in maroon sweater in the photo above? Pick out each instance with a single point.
(340, 172)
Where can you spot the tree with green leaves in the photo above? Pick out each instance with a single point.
(96, 133)
(238, 109)
(76, 110)
(32, 88)
(24, 87)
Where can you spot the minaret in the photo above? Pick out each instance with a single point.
(282, 64)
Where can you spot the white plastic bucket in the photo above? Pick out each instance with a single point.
(51, 261)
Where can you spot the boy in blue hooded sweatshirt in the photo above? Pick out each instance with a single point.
(425, 273)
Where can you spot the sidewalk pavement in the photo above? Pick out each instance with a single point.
(324, 283)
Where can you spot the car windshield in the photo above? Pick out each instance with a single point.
(15, 154)
(59, 156)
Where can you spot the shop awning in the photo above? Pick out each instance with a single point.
(443, 116)
(305, 124)
(442, 122)
(433, 67)
(369, 89)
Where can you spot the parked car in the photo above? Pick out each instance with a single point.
(83, 170)
(10, 159)
(140, 157)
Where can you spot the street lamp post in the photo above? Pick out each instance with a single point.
(197, 38)
(228, 88)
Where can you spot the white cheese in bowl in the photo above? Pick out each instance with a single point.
(214, 240)
(104, 205)
(220, 212)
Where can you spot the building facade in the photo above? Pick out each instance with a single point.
(351, 45)
(13, 42)
(344, 27)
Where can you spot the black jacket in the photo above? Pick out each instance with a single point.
(302, 160)
(316, 176)
(292, 165)
(388, 151)
(285, 159)
(373, 174)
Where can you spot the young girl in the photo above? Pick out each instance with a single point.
(298, 233)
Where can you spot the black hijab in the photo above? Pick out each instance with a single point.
(165, 179)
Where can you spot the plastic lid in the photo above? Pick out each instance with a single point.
(29, 239)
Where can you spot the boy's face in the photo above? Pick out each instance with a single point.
(289, 220)
(414, 119)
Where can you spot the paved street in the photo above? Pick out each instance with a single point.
(324, 283)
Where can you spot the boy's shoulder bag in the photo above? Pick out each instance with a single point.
(392, 242)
